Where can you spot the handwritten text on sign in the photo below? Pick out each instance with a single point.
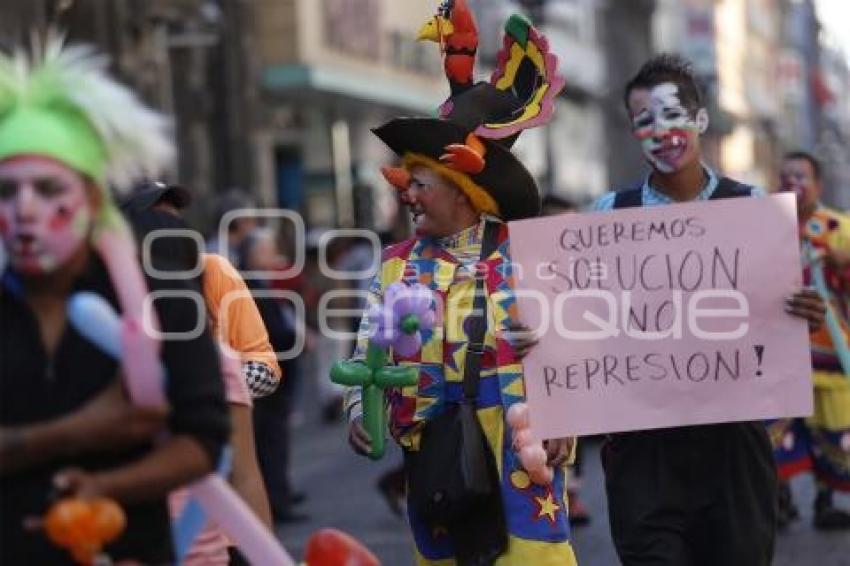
(662, 316)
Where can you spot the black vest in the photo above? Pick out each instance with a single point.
(726, 188)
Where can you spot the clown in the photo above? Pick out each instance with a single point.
(67, 133)
(820, 443)
(461, 184)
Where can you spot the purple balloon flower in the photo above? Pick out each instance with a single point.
(397, 322)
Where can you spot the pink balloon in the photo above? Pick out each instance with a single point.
(143, 371)
(116, 247)
(522, 438)
(235, 518)
(542, 477)
(140, 359)
(533, 457)
(518, 416)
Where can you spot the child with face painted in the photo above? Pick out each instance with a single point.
(700, 494)
(67, 133)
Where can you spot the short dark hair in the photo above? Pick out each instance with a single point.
(817, 168)
(668, 68)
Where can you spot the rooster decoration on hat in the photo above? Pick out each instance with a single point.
(470, 141)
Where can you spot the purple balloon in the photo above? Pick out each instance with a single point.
(400, 303)
(426, 321)
(407, 344)
(415, 300)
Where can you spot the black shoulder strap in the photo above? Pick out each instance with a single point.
(478, 324)
(629, 198)
(730, 188)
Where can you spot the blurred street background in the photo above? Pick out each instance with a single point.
(274, 100)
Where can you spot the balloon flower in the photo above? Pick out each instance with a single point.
(330, 547)
(396, 324)
(532, 455)
(84, 527)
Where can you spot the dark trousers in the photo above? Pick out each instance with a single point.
(692, 496)
(271, 437)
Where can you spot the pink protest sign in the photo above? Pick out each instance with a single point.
(662, 316)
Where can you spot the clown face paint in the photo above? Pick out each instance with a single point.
(666, 130)
(433, 203)
(45, 213)
(798, 177)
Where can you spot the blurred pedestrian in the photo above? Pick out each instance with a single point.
(235, 219)
(237, 326)
(821, 443)
(325, 348)
(258, 251)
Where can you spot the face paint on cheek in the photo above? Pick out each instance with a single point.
(66, 230)
(650, 149)
(667, 148)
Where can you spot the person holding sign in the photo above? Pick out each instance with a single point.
(822, 442)
(462, 183)
(698, 494)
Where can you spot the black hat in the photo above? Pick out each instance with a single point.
(149, 194)
(503, 179)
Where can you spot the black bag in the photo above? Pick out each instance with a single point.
(453, 480)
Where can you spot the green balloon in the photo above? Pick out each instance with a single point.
(374, 376)
(351, 374)
(375, 419)
(394, 376)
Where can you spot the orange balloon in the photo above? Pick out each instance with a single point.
(83, 527)
(109, 519)
(69, 523)
(84, 555)
(330, 547)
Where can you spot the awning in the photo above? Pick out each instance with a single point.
(373, 89)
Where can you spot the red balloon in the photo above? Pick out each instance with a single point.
(330, 547)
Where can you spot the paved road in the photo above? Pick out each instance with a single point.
(341, 494)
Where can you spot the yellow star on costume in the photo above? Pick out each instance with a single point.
(548, 507)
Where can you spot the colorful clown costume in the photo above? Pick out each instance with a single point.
(536, 515)
(822, 443)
